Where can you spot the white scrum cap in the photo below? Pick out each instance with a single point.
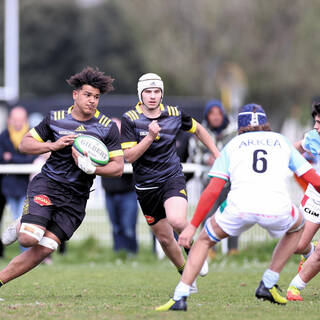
(149, 80)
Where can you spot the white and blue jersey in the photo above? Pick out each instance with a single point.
(311, 144)
(256, 163)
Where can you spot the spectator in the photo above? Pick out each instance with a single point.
(14, 186)
(216, 122)
(2, 206)
(122, 207)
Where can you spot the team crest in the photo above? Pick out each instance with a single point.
(149, 219)
(42, 200)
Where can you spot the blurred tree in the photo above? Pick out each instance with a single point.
(49, 52)
(275, 42)
(110, 42)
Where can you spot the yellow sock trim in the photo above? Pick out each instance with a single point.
(1, 283)
(181, 268)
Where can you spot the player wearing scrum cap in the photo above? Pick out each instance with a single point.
(56, 197)
(148, 138)
(256, 163)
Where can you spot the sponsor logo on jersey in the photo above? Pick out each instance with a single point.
(145, 133)
(149, 219)
(66, 132)
(80, 128)
(311, 212)
(42, 200)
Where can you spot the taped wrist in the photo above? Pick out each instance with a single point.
(85, 164)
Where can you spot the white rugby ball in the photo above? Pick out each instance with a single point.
(95, 148)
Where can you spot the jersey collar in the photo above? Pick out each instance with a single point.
(96, 115)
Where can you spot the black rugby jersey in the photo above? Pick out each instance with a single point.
(160, 161)
(61, 166)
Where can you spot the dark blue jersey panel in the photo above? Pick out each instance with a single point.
(61, 166)
(160, 161)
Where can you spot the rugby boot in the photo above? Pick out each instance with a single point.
(272, 294)
(293, 294)
(180, 305)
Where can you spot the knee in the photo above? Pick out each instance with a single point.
(164, 240)
(178, 224)
(27, 241)
(316, 254)
(301, 248)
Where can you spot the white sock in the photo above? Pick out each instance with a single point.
(270, 278)
(297, 282)
(182, 290)
(307, 255)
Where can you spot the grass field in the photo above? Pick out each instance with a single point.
(91, 282)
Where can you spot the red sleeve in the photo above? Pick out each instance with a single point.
(207, 199)
(312, 177)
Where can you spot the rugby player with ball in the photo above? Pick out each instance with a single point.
(56, 197)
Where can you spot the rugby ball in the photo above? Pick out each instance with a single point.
(95, 148)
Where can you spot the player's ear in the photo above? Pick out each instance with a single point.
(75, 94)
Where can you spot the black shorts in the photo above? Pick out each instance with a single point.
(152, 200)
(53, 206)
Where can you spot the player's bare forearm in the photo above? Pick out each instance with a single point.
(30, 145)
(134, 153)
(202, 134)
(113, 169)
(298, 146)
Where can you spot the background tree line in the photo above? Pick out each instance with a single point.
(276, 43)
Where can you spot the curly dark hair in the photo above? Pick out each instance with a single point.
(262, 127)
(315, 108)
(92, 77)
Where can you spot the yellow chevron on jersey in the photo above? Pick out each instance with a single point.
(104, 120)
(183, 192)
(173, 111)
(133, 115)
(58, 115)
(81, 128)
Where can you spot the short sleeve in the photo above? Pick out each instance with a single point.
(188, 123)
(311, 142)
(298, 164)
(220, 168)
(112, 141)
(42, 132)
(128, 138)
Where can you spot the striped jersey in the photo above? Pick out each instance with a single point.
(61, 166)
(311, 143)
(256, 163)
(160, 161)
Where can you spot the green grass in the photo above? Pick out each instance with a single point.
(91, 282)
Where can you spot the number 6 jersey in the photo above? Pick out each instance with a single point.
(256, 163)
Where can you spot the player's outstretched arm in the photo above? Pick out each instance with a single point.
(203, 135)
(298, 146)
(30, 145)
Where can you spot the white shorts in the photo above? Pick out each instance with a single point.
(235, 223)
(310, 207)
